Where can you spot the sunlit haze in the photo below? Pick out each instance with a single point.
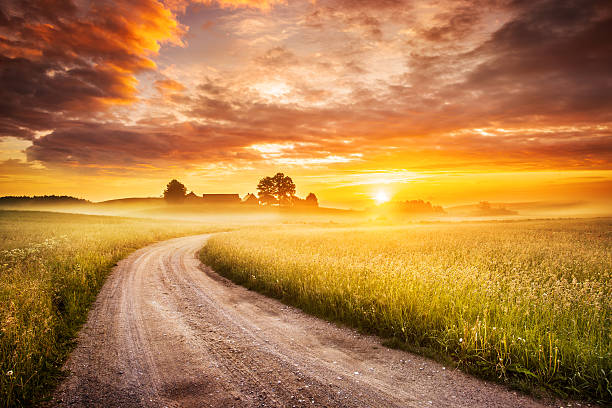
(452, 102)
(381, 197)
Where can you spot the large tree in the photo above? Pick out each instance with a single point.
(175, 192)
(276, 190)
(266, 191)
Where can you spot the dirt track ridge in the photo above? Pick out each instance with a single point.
(166, 331)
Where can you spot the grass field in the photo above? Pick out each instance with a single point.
(528, 302)
(51, 268)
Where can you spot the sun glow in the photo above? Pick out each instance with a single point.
(381, 197)
(273, 91)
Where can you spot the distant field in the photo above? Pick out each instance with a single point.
(51, 268)
(525, 302)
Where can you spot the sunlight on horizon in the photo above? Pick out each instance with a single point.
(345, 97)
(382, 197)
(434, 173)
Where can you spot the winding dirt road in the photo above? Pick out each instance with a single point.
(167, 332)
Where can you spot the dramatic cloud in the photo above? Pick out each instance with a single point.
(181, 5)
(550, 60)
(309, 84)
(59, 61)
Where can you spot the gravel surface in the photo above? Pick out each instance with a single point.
(166, 331)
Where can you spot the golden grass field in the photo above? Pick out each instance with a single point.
(526, 302)
(51, 267)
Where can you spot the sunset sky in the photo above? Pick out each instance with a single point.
(451, 101)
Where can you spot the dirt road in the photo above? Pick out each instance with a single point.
(168, 332)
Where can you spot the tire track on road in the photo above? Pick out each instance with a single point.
(166, 331)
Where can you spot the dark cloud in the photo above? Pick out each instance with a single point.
(366, 4)
(89, 143)
(552, 59)
(455, 24)
(277, 57)
(35, 95)
(59, 61)
(546, 64)
(99, 145)
(370, 24)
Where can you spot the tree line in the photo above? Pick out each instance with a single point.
(47, 199)
(278, 190)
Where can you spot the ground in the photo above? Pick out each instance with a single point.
(167, 331)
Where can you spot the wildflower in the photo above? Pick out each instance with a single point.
(461, 340)
(9, 373)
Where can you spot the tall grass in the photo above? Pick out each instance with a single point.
(526, 302)
(51, 268)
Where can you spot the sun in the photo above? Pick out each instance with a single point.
(381, 197)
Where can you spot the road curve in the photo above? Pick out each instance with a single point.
(166, 331)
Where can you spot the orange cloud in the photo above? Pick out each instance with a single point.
(181, 5)
(59, 61)
(347, 85)
(169, 86)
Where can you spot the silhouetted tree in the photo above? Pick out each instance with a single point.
(278, 189)
(419, 206)
(175, 192)
(40, 200)
(312, 200)
(285, 189)
(266, 191)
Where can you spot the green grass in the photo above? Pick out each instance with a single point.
(527, 303)
(51, 268)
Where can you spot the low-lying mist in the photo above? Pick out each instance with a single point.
(242, 214)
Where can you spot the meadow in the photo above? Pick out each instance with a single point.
(527, 303)
(51, 267)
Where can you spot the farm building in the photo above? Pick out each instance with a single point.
(222, 198)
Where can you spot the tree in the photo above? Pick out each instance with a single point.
(175, 192)
(276, 190)
(266, 191)
(312, 200)
(285, 189)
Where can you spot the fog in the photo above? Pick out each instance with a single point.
(392, 213)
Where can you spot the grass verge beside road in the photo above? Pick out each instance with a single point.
(526, 302)
(52, 266)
